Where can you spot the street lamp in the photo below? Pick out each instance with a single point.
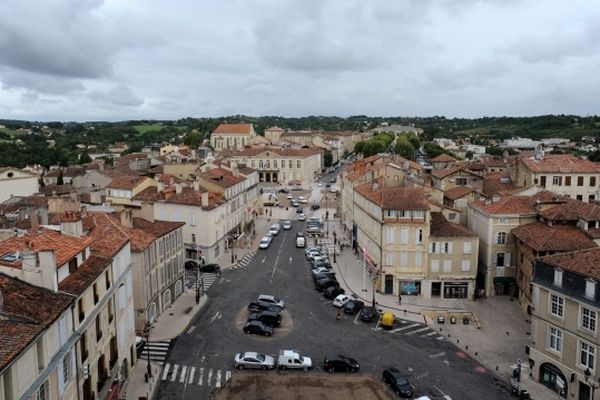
(147, 328)
(334, 243)
(327, 213)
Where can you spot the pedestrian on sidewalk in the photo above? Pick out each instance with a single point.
(400, 298)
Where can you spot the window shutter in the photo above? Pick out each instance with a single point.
(418, 260)
(430, 247)
(450, 247)
(438, 246)
(495, 260)
(507, 259)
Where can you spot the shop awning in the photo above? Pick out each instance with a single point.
(504, 279)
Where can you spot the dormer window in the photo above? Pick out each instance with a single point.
(558, 277)
(590, 289)
(73, 265)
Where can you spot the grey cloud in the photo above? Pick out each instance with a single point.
(119, 95)
(12, 79)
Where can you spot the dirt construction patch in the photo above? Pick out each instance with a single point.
(278, 386)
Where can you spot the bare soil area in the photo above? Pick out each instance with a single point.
(280, 386)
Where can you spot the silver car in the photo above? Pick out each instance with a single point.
(252, 359)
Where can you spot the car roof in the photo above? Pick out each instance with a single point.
(248, 354)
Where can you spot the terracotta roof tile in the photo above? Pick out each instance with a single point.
(149, 194)
(582, 262)
(572, 210)
(222, 177)
(126, 182)
(394, 198)
(53, 189)
(191, 197)
(233, 129)
(498, 183)
(561, 163)
(26, 312)
(443, 158)
(458, 192)
(440, 227)
(65, 247)
(157, 228)
(87, 272)
(542, 237)
(518, 204)
(444, 172)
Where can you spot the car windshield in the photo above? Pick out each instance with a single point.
(264, 241)
(400, 380)
(260, 357)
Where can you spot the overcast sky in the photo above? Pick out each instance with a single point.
(135, 59)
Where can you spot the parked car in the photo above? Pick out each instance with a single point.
(211, 268)
(299, 210)
(324, 283)
(353, 306)
(340, 363)
(341, 300)
(368, 314)
(322, 270)
(258, 328)
(284, 190)
(190, 264)
(332, 292)
(323, 275)
(270, 299)
(295, 203)
(311, 250)
(265, 242)
(321, 264)
(259, 306)
(274, 229)
(266, 317)
(252, 359)
(315, 206)
(387, 320)
(301, 217)
(291, 359)
(302, 200)
(287, 225)
(397, 382)
(289, 196)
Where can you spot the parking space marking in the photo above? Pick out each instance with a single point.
(209, 378)
(201, 374)
(430, 334)
(166, 371)
(356, 319)
(218, 379)
(418, 330)
(404, 328)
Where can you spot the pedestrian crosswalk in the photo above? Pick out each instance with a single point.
(156, 350)
(201, 376)
(206, 280)
(410, 328)
(244, 261)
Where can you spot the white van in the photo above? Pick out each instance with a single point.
(300, 240)
(291, 359)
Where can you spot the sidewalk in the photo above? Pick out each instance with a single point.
(497, 341)
(171, 323)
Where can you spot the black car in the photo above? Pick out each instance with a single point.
(315, 206)
(397, 382)
(324, 275)
(298, 210)
(259, 306)
(321, 263)
(368, 314)
(258, 328)
(190, 264)
(266, 317)
(353, 306)
(211, 268)
(283, 191)
(340, 363)
(324, 283)
(332, 292)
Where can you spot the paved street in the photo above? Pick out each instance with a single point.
(202, 360)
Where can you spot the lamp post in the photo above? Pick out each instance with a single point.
(147, 333)
(327, 213)
(334, 243)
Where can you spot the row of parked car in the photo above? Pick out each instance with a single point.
(264, 315)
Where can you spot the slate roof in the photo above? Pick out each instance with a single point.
(542, 237)
(394, 198)
(440, 227)
(27, 311)
(582, 262)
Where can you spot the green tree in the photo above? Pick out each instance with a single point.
(193, 139)
(85, 158)
(327, 159)
(469, 155)
(595, 156)
(59, 180)
(359, 146)
(405, 148)
(433, 150)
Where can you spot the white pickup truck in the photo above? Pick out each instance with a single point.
(291, 359)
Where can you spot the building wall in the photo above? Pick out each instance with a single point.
(229, 141)
(459, 178)
(573, 335)
(304, 169)
(17, 183)
(453, 263)
(181, 170)
(91, 180)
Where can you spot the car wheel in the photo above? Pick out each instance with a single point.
(283, 367)
(267, 334)
(240, 366)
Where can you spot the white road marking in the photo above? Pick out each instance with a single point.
(191, 329)
(404, 328)
(442, 354)
(192, 372)
(214, 317)
(201, 374)
(418, 330)
(166, 371)
(227, 376)
(356, 319)
(430, 334)
(218, 379)
(174, 375)
(183, 374)
(209, 378)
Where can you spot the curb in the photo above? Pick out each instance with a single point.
(186, 327)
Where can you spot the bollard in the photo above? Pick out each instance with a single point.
(467, 347)
(457, 340)
(496, 368)
(476, 354)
